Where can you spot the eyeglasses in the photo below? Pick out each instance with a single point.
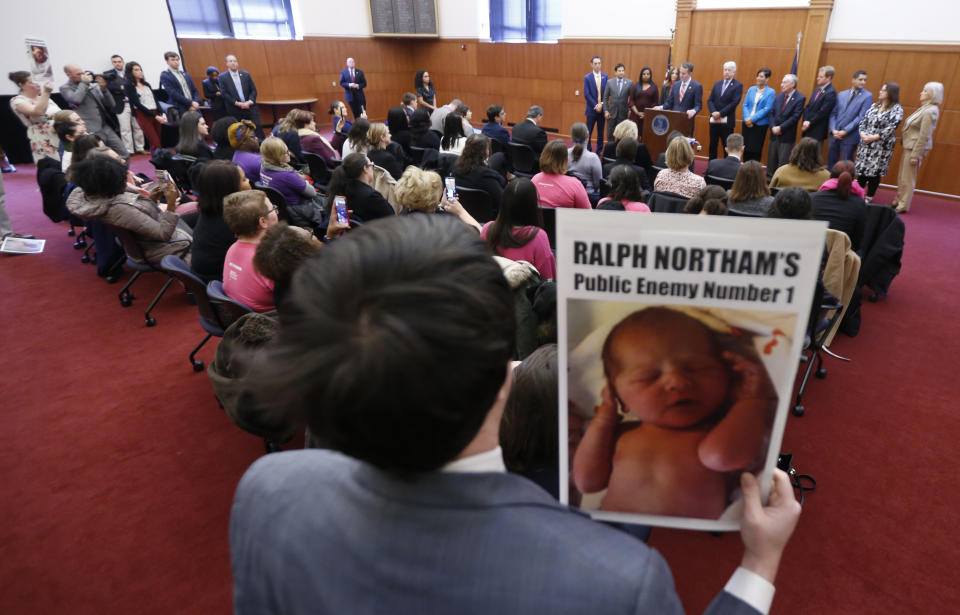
(367, 164)
(271, 210)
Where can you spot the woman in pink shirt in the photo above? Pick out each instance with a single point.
(517, 232)
(625, 187)
(554, 187)
(248, 214)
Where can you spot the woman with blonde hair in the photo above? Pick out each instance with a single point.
(380, 152)
(554, 187)
(917, 139)
(302, 205)
(420, 191)
(677, 177)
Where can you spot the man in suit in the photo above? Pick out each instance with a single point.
(240, 93)
(94, 104)
(686, 96)
(352, 81)
(409, 104)
(414, 511)
(181, 91)
(528, 132)
(845, 118)
(495, 127)
(615, 97)
(594, 84)
(784, 118)
(728, 167)
(130, 131)
(816, 116)
(723, 102)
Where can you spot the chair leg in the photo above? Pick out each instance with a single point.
(125, 296)
(198, 365)
(152, 321)
(798, 408)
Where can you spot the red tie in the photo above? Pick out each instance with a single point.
(819, 92)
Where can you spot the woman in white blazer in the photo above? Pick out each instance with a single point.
(917, 139)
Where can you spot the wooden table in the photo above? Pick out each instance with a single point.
(293, 102)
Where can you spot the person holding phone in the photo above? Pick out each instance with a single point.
(353, 180)
(422, 192)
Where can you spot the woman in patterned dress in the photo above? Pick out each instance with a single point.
(876, 137)
(35, 109)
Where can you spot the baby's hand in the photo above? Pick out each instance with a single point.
(753, 381)
(607, 410)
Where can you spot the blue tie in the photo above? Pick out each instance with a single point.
(236, 82)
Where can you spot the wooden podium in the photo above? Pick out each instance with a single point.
(658, 123)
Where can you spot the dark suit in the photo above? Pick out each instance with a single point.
(818, 111)
(846, 115)
(724, 102)
(496, 131)
(591, 97)
(249, 93)
(786, 112)
(615, 97)
(171, 85)
(849, 216)
(692, 99)
(211, 91)
(726, 168)
(530, 134)
(355, 97)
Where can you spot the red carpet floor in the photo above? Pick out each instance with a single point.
(118, 467)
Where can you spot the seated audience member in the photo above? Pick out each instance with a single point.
(831, 184)
(193, 134)
(341, 124)
(353, 180)
(841, 206)
(421, 192)
(727, 168)
(472, 171)
(495, 128)
(420, 133)
(380, 153)
(791, 204)
(286, 131)
(246, 146)
(677, 177)
(103, 194)
(311, 141)
(467, 115)
(282, 249)
(211, 236)
(805, 169)
(61, 118)
(709, 207)
(609, 205)
(625, 187)
(626, 155)
(582, 162)
(453, 138)
(248, 214)
(396, 352)
(409, 105)
(662, 158)
(276, 173)
(518, 233)
(399, 125)
(709, 193)
(528, 429)
(68, 132)
(438, 115)
(749, 194)
(529, 133)
(555, 188)
(220, 134)
(356, 142)
(623, 130)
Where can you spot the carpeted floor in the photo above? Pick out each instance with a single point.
(118, 467)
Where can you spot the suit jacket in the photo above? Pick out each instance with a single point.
(848, 215)
(726, 103)
(590, 94)
(528, 133)
(496, 131)
(93, 105)
(726, 168)
(846, 114)
(229, 90)
(134, 97)
(786, 116)
(351, 94)
(116, 89)
(818, 112)
(917, 133)
(615, 101)
(488, 542)
(692, 97)
(170, 85)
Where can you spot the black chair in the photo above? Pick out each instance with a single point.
(667, 202)
(524, 159)
(416, 155)
(446, 164)
(319, 171)
(478, 203)
(277, 199)
(607, 160)
(652, 172)
(137, 261)
(550, 225)
(774, 191)
(228, 309)
(604, 188)
(179, 169)
(744, 214)
(818, 328)
(209, 316)
(723, 182)
(497, 147)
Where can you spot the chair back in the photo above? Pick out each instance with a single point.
(774, 191)
(497, 147)
(277, 199)
(179, 168)
(478, 203)
(228, 309)
(652, 172)
(608, 160)
(723, 182)
(667, 202)
(446, 163)
(319, 171)
(550, 225)
(130, 245)
(416, 155)
(209, 316)
(523, 158)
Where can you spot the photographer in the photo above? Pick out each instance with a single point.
(95, 105)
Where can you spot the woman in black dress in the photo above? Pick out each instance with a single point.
(643, 96)
(426, 93)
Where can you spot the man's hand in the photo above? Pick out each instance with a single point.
(162, 118)
(86, 78)
(775, 130)
(842, 133)
(804, 126)
(914, 162)
(606, 114)
(765, 530)
(194, 106)
(598, 107)
(101, 82)
(715, 115)
(691, 113)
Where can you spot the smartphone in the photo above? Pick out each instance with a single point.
(451, 185)
(162, 176)
(340, 204)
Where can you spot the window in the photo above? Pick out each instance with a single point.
(524, 20)
(266, 19)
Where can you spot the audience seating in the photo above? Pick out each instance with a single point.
(319, 171)
(478, 203)
(723, 182)
(524, 160)
(277, 198)
(652, 171)
(228, 309)
(667, 202)
(179, 169)
(416, 155)
(132, 247)
(550, 225)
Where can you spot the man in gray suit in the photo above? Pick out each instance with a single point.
(94, 104)
(615, 97)
(409, 508)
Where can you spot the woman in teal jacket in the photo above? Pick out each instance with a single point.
(756, 109)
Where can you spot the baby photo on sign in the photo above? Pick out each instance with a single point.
(672, 404)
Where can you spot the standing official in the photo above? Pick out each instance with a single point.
(181, 90)
(845, 119)
(722, 103)
(687, 95)
(816, 117)
(784, 117)
(594, 84)
(352, 81)
(240, 94)
(130, 131)
(615, 97)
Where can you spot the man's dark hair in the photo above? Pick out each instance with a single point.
(857, 74)
(65, 129)
(619, 66)
(280, 252)
(493, 111)
(116, 55)
(595, 58)
(409, 98)
(688, 66)
(363, 358)
(170, 54)
(100, 176)
(791, 203)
